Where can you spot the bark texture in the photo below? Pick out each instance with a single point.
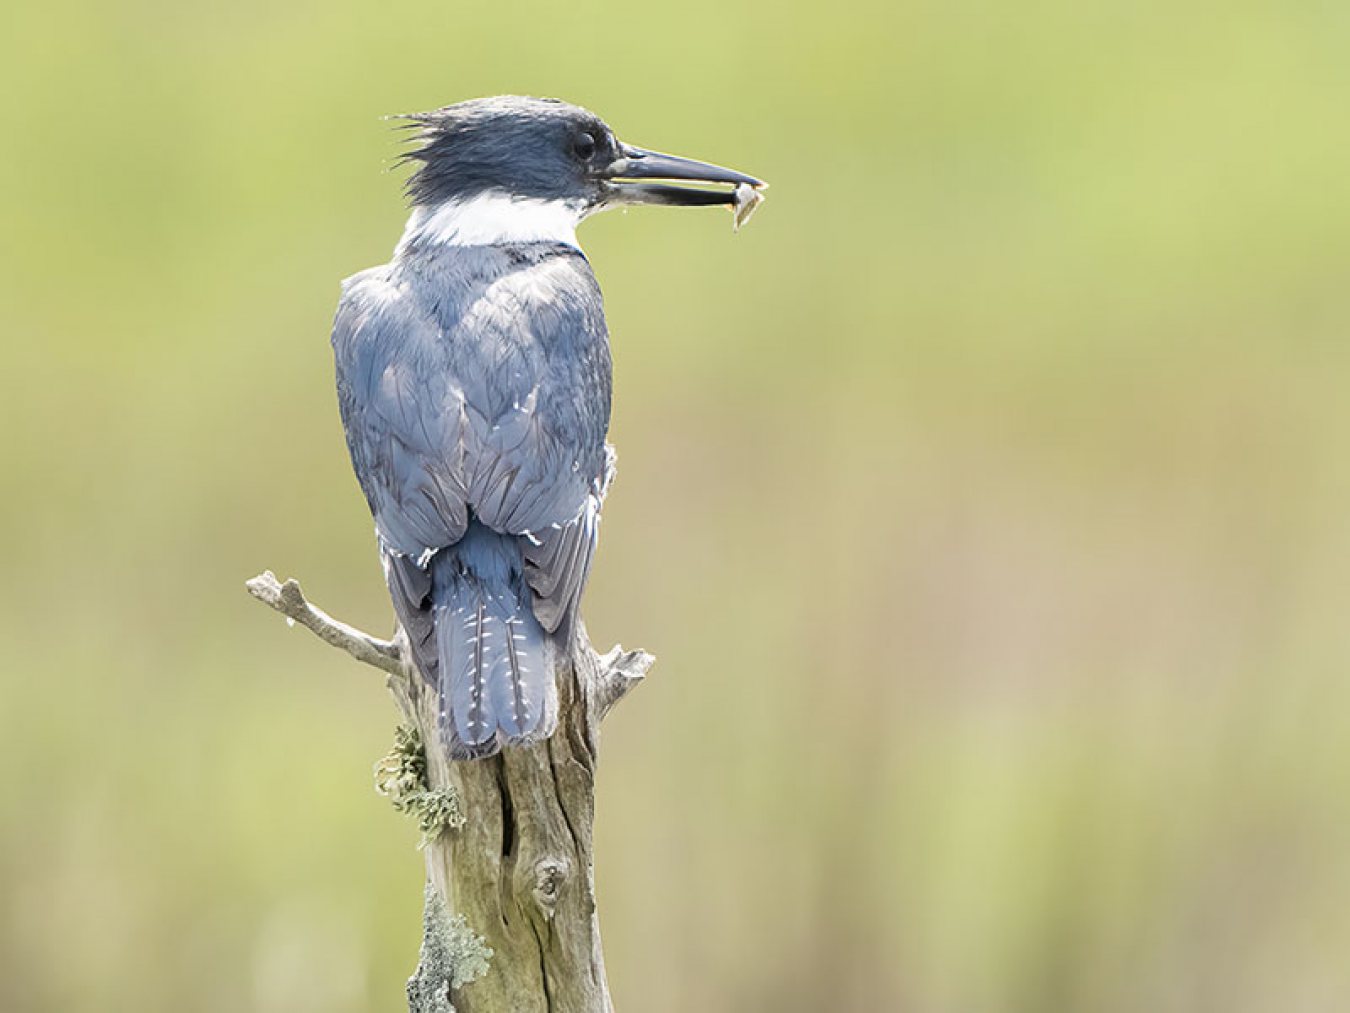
(515, 875)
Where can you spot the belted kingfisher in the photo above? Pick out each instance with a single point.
(473, 377)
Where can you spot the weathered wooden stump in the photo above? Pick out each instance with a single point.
(510, 922)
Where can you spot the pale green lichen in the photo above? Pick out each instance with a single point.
(452, 956)
(401, 777)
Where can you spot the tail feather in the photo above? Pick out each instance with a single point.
(466, 705)
(495, 670)
(520, 677)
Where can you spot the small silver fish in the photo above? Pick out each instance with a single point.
(747, 198)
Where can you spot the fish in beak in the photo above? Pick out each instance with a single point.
(626, 183)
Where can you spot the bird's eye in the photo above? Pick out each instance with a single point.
(584, 146)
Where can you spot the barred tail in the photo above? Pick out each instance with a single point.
(494, 664)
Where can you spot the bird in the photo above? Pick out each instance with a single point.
(474, 387)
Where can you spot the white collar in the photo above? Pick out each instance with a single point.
(490, 219)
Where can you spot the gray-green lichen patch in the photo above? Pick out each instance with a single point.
(401, 777)
(452, 956)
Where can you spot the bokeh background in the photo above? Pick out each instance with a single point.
(985, 503)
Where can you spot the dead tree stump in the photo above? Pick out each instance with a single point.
(510, 922)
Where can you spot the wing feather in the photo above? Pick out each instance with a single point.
(483, 397)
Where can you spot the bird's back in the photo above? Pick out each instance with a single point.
(474, 385)
(464, 362)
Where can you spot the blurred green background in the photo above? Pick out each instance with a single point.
(986, 503)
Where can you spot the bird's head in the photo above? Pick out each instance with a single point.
(518, 169)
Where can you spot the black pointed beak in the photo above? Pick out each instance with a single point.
(635, 164)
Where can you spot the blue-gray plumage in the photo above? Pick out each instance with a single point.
(473, 375)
